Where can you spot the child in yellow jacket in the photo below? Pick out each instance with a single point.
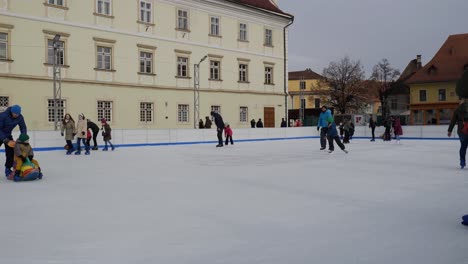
(22, 151)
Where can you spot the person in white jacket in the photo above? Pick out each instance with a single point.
(81, 129)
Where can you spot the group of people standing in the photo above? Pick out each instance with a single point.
(84, 130)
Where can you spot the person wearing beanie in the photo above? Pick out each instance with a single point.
(219, 127)
(332, 134)
(22, 151)
(81, 128)
(106, 134)
(9, 119)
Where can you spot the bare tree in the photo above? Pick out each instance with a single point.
(384, 76)
(345, 79)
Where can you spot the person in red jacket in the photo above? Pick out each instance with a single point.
(397, 129)
(228, 134)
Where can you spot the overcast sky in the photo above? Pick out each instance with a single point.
(370, 30)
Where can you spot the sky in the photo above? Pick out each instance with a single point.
(264, 202)
(370, 30)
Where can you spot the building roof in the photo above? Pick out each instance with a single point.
(447, 65)
(308, 74)
(266, 5)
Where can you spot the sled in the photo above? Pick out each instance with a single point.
(28, 172)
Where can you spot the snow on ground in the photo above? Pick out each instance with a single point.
(271, 202)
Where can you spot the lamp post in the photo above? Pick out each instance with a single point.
(196, 92)
(57, 80)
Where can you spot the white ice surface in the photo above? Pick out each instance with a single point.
(270, 202)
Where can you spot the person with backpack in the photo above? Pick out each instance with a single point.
(460, 118)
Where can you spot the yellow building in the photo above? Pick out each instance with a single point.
(132, 62)
(432, 88)
(306, 83)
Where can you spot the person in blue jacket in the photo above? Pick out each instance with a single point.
(323, 126)
(8, 121)
(333, 135)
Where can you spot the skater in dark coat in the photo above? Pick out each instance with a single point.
(252, 123)
(332, 134)
(207, 122)
(9, 119)
(259, 123)
(372, 127)
(95, 129)
(460, 116)
(219, 127)
(106, 134)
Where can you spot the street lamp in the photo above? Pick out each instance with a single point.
(196, 92)
(57, 80)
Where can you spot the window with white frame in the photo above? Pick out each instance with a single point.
(182, 20)
(268, 37)
(57, 2)
(215, 67)
(3, 46)
(146, 62)
(243, 32)
(104, 58)
(60, 45)
(183, 113)
(216, 109)
(104, 7)
(243, 72)
(244, 114)
(4, 103)
(268, 75)
(182, 67)
(302, 85)
(214, 26)
(61, 107)
(146, 11)
(146, 112)
(104, 110)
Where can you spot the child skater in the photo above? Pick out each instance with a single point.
(332, 134)
(22, 151)
(106, 134)
(228, 134)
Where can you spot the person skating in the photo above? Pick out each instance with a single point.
(372, 127)
(397, 129)
(81, 128)
(332, 134)
(219, 127)
(9, 119)
(95, 129)
(22, 151)
(106, 134)
(459, 117)
(68, 130)
(228, 134)
(322, 126)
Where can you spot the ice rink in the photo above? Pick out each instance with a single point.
(268, 202)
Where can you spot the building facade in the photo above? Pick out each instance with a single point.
(432, 88)
(305, 89)
(132, 62)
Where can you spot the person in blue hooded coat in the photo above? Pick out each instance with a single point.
(322, 126)
(333, 135)
(9, 119)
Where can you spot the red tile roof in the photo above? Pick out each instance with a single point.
(447, 65)
(267, 5)
(308, 74)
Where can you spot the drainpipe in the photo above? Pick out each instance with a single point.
(286, 73)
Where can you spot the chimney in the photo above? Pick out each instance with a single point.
(418, 62)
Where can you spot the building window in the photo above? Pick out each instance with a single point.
(60, 52)
(243, 73)
(146, 112)
(57, 2)
(422, 96)
(303, 103)
(104, 55)
(268, 37)
(3, 46)
(215, 67)
(243, 32)
(317, 102)
(61, 107)
(182, 66)
(146, 62)
(182, 20)
(244, 114)
(302, 85)
(442, 96)
(145, 11)
(104, 7)
(214, 26)
(216, 109)
(4, 103)
(268, 75)
(104, 110)
(393, 103)
(183, 113)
